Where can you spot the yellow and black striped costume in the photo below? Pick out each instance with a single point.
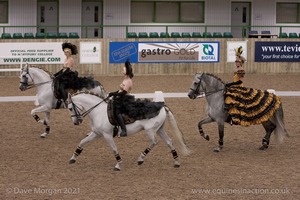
(248, 106)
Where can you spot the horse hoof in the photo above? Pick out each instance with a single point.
(72, 161)
(264, 147)
(177, 166)
(217, 150)
(117, 169)
(140, 162)
(43, 135)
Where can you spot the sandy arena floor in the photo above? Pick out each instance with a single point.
(35, 168)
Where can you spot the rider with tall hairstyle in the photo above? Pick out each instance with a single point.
(238, 76)
(119, 96)
(67, 73)
(240, 72)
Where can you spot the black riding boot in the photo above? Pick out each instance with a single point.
(122, 125)
(229, 120)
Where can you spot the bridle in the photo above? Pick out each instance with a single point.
(25, 82)
(207, 93)
(76, 108)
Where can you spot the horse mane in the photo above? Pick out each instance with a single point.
(86, 82)
(44, 69)
(209, 74)
(85, 92)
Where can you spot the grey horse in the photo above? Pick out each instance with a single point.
(214, 89)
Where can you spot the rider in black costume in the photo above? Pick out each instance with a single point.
(65, 78)
(120, 96)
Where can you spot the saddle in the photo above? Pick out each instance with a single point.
(111, 115)
(135, 110)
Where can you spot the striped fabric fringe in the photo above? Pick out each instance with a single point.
(248, 106)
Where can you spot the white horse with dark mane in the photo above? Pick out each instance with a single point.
(42, 80)
(81, 104)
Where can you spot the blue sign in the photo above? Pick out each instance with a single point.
(120, 51)
(277, 51)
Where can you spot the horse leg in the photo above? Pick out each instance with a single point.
(79, 148)
(148, 149)
(47, 124)
(204, 121)
(109, 139)
(45, 121)
(164, 136)
(221, 137)
(269, 127)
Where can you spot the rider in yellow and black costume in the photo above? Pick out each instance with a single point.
(247, 106)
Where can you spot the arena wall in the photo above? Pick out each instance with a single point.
(107, 69)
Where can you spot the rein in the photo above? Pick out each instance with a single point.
(29, 86)
(77, 113)
(212, 92)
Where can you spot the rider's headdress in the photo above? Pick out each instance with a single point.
(239, 57)
(71, 47)
(239, 51)
(128, 68)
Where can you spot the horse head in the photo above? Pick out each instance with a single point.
(24, 76)
(81, 104)
(33, 76)
(74, 111)
(205, 84)
(195, 87)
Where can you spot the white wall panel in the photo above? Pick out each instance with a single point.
(70, 14)
(116, 12)
(218, 12)
(22, 13)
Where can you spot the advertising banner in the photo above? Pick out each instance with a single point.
(277, 51)
(159, 52)
(31, 53)
(90, 52)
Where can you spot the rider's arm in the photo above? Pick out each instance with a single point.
(117, 93)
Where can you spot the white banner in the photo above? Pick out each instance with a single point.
(90, 52)
(31, 53)
(231, 46)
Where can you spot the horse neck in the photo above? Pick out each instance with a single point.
(39, 76)
(87, 101)
(212, 83)
(100, 91)
(215, 88)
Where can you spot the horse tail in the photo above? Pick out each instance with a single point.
(280, 131)
(177, 133)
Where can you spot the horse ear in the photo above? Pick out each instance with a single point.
(69, 97)
(24, 67)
